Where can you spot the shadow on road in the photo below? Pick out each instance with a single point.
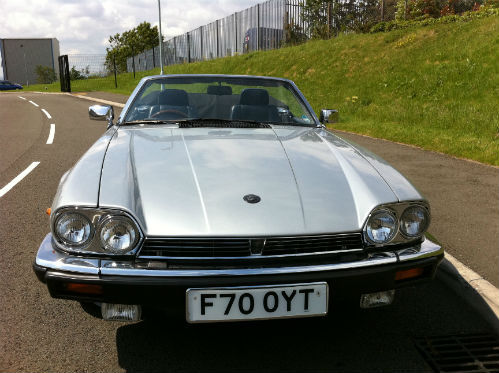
(348, 340)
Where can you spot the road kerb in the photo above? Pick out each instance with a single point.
(105, 102)
(477, 291)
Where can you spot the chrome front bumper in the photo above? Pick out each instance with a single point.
(51, 259)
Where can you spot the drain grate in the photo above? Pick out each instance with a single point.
(468, 353)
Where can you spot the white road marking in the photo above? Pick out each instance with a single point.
(33, 103)
(47, 113)
(18, 178)
(50, 139)
(22, 98)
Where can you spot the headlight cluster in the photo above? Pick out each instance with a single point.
(402, 222)
(90, 232)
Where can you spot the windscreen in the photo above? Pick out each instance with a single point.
(222, 98)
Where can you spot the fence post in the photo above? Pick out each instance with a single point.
(258, 27)
(133, 62)
(218, 37)
(153, 58)
(405, 10)
(115, 77)
(329, 18)
(235, 33)
(188, 48)
(201, 42)
(383, 9)
(174, 50)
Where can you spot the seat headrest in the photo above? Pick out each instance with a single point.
(219, 90)
(254, 96)
(173, 97)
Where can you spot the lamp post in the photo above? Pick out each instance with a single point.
(160, 39)
(25, 66)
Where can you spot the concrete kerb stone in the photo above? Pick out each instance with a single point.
(480, 294)
(105, 102)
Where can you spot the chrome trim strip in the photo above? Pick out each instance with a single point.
(256, 257)
(427, 250)
(105, 270)
(52, 259)
(222, 238)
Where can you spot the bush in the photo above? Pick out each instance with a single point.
(485, 11)
(294, 34)
(45, 74)
(75, 74)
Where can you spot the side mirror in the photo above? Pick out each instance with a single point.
(101, 112)
(329, 116)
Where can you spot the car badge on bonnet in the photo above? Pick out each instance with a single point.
(252, 198)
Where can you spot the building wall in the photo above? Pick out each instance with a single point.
(20, 62)
(55, 56)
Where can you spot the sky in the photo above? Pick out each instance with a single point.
(84, 26)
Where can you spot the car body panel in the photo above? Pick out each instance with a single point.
(180, 182)
(80, 185)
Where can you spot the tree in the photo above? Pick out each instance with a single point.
(325, 19)
(75, 74)
(293, 34)
(45, 74)
(130, 43)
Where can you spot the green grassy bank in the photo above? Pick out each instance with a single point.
(436, 87)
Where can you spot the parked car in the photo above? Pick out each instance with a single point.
(5, 85)
(226, 198)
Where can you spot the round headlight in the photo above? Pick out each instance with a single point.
(73, 229)
(381, 227)
(414, 221)
(118, 235)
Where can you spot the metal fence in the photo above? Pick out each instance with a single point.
(269, 25)
(264, 26)
(260, 27)
(85, 72)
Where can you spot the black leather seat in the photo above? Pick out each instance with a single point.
(254, 105)
(173, 100)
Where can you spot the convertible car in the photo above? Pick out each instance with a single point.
(225, 198)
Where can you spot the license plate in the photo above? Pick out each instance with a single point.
(256, 302)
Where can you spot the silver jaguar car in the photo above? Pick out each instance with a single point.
(225, 198)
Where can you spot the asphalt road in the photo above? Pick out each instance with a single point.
(39, 334)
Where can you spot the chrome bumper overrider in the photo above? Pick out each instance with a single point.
(52, 259)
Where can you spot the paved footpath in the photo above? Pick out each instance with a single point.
(464, 197)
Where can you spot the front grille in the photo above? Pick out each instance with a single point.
(188, 247)
(244, 247)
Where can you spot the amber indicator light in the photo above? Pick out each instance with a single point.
(408, 273)
(84, 288)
